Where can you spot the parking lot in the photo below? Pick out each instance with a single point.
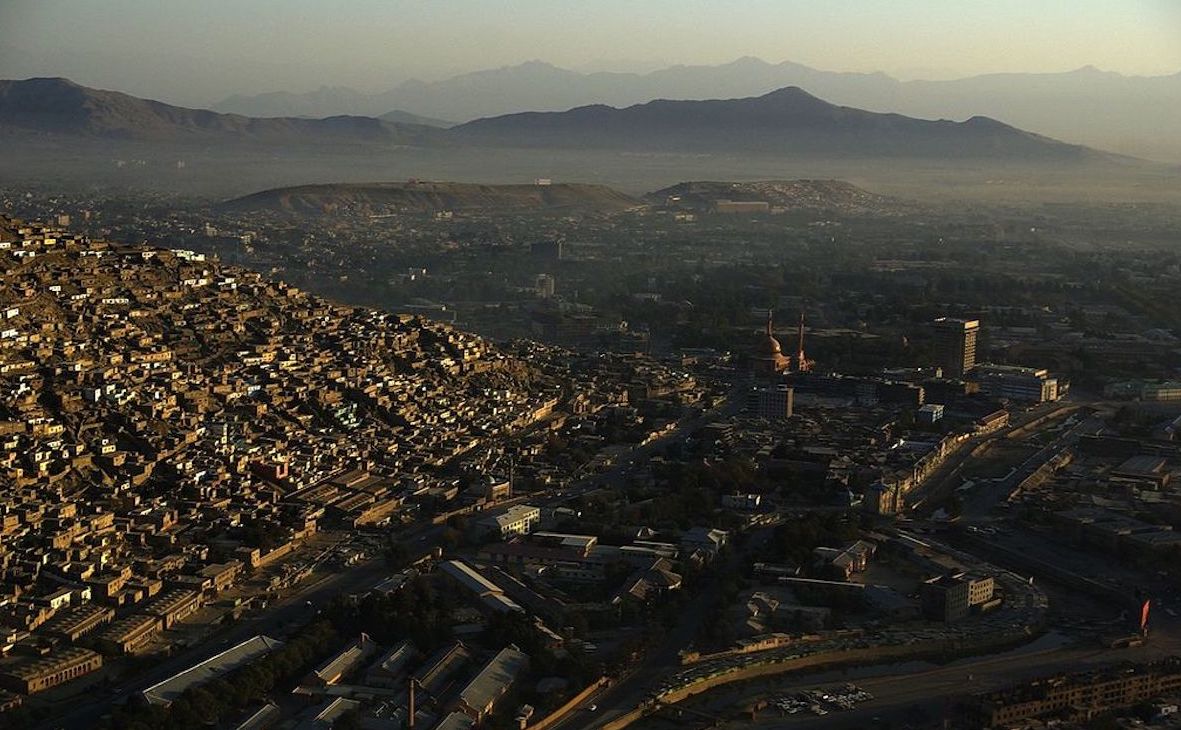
(822, 701)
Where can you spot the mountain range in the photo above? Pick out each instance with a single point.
(788, 122)
(1127, 114)
(61, 107)
(326, 101)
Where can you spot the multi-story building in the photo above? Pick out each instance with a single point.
(173, 606)
(952, 597)
(955, 345)
(516, 520)
(773, 402)
(37, 675)
(1012, 382)
(930, 414)
(76, 623)
(1073, 696)
(545, 286)
(129, 635)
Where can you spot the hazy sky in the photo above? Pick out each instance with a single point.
(198, 51)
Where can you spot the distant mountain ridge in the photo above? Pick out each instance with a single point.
(326, 101)
(431, 197)
(1127, 114)
(789, 122)
(59, 106)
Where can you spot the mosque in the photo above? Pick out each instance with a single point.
(768, 359)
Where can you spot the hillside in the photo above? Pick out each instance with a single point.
(789, 122)
(811, 195)
(429, 197)
(59, 106)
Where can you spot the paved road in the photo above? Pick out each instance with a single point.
(899, 688)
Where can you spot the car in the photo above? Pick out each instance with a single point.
(593, 708)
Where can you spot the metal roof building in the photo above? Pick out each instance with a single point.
(165, 692)
(481, 694)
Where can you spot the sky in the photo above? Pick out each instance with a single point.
(197, 52)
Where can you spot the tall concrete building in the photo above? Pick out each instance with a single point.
(774, 402)
(955, 345)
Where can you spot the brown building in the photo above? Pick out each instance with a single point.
(40, 674)
(221, 575)
(173, 606)
(1074, 696)
(129, 635)
(77, 622)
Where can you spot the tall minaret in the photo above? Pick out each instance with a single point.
(802, 363)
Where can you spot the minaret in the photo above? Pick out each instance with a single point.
(802, 364)
(410, 714)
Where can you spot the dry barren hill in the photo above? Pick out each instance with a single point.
(817, 195)
(428, 197)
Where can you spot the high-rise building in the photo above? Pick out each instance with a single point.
(955, 345)
(774, 402)
(545, 286)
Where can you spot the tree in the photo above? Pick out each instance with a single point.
(348, 720)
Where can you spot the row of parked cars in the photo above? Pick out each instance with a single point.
(822, 701)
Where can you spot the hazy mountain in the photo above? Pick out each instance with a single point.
(59, 106)
(1128, 114)
(400, 117)
(429, 197)
(789, 122)
(1132, 115)
(539, 86)
(63, 134)
(327, 101)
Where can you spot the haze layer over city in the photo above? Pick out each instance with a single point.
(458, 365)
